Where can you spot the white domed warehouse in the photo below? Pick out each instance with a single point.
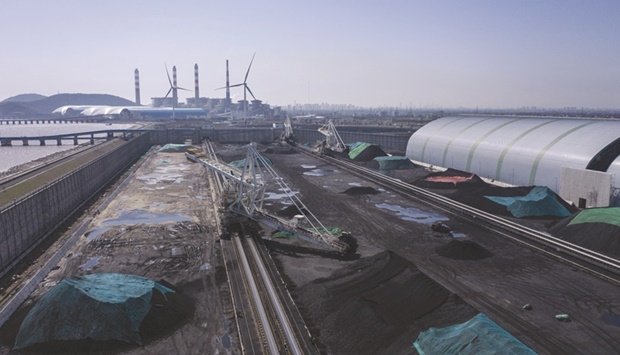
(576, 158)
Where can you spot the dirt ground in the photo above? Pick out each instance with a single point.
(161, 226)
(499, 283)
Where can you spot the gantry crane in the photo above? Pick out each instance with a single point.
(245, 194)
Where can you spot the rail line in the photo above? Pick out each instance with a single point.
(598, 264)
(273, 325)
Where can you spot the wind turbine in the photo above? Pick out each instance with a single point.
(173, 89)
(246, 88)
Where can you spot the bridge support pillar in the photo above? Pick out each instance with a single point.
(75, 140)
(58, 141)
(41, 141)
(25, 142)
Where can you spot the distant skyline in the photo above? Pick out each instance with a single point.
(492, 54)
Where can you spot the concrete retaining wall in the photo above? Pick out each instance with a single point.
(29, 220)
(387, 141)
(390, 142)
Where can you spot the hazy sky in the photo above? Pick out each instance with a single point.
(491, 53)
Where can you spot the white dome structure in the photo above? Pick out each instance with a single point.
(519, 150)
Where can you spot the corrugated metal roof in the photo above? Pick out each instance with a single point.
(517, 150)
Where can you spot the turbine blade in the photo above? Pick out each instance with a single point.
(180, 88)
(247, 87)
(249, 66)
(167, 73)
(165, 97)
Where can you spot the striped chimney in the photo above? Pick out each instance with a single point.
(175, 97)
(136, 75)
(196, 89)
(227, 86)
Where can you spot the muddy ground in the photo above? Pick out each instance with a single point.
(161, 226)
(498, 278)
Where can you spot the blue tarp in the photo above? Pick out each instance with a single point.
(479, 335)
(539, 202)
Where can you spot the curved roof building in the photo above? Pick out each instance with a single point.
(519, 150)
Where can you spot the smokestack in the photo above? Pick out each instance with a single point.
(175, 98)
(196, 89)
(227, 86)
(136, 75)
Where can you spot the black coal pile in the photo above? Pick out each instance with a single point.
(361, 190)
(290, 211)
(376, 305)
(371, 152)
(603, 238)
(280, 150)
(463, 250)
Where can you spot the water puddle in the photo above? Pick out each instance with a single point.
(226, 341)
(137, 217)
(413, 214)
(155, 178)
(306, 166)
(320, 172)
(90, 263)
(205, 266)
(284, 193)
(611, 319)
(95, 233)
(356, 184)
(458, 235)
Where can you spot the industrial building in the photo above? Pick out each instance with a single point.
(576, 158)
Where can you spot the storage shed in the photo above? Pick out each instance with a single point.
(566, 155)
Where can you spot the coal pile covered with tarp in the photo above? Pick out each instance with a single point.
(377, 305)
(544, 204)
(101, 311)
(391, 163)
(361, 151)
(479, 335)
(597, 229)
(463, 250)
(539, 202)
(450, 179)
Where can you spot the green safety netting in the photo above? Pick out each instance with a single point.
(394, 162)
(540, 201)
(609, 215)
(479, 335)
(241, 163)
(362, 151)
(97, 306)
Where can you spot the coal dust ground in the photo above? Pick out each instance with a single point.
(479, 271)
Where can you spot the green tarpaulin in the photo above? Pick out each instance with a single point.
(610, 215)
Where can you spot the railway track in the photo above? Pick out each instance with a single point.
(587, 260)
(276, 328)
